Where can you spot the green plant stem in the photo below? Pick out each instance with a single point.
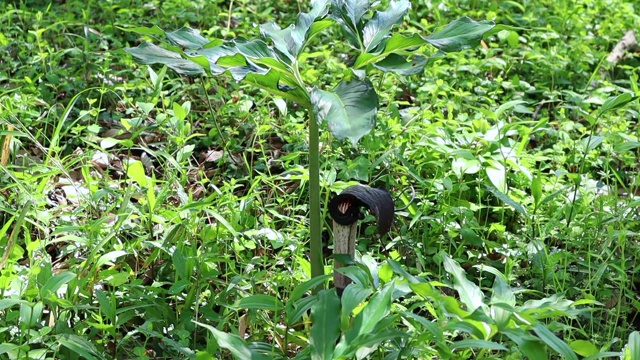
(315, 224)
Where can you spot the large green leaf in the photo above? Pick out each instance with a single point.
(349, 13)
(350, 109)
(376, 30)
(291, 40)
(460, 34)
(187, 38)
(325, 316)
(148, 53)
(502, 294)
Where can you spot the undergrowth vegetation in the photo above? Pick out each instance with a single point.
(146, 215)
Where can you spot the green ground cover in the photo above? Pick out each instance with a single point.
(146, 214)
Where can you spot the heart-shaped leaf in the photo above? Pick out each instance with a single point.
(460, 34)
(350, 109)
(377, 29)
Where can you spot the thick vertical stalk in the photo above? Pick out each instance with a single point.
(315, 223)
(344, 242)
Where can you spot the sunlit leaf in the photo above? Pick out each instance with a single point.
(470, 293)
(148, 53)
(584, 348)
(349, 110)
(497, 175)
(135, 171)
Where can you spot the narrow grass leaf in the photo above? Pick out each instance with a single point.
(79, 345)
(142, 30)
(303, 288)
(478, 344)
(506, 199)
(554, 342)
(296, 310)
(536, 189)
(632, 351)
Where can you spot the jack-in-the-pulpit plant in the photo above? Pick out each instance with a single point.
(273, 63)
